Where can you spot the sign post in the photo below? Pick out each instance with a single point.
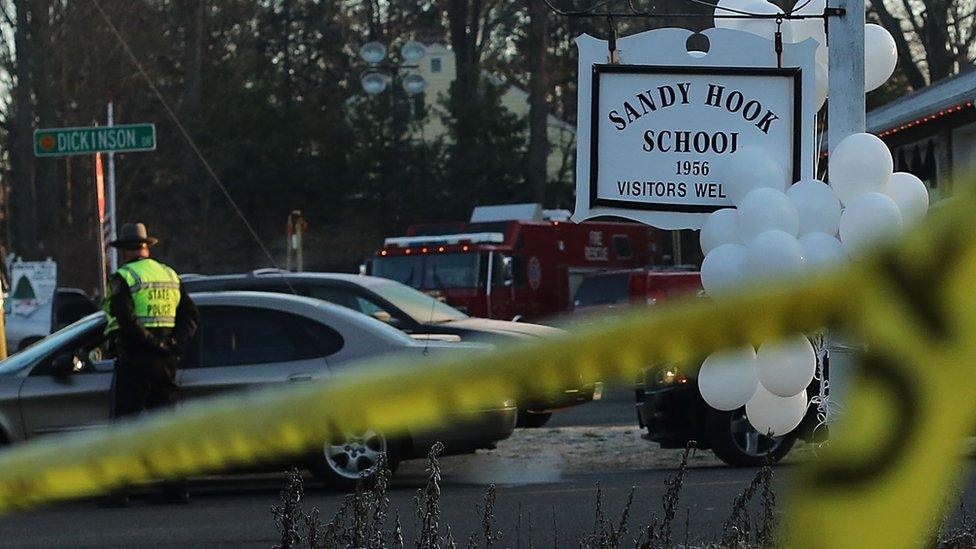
(110, 139)
(845, 116)
(110, 221)
(845, 81)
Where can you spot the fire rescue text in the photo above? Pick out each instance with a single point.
(681, 93)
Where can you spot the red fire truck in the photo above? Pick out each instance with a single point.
(513, 262)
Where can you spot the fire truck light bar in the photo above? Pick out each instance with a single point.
(473, 238)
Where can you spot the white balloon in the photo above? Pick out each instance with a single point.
(787, 366)
(764, 210)
(869, 220)
(775, 415)
(911, 195)
(811, 7)
(821, 250)
(880, 56)
(810, 28)
(752, 168)
(727, 380)
(817, 206)
(721, 227)
(860, 164)
(774, 253)
(723, 268)
(760, 27)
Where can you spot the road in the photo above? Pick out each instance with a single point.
(615, 408)
(235, 512)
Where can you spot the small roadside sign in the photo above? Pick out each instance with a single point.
(32, 284)
(96, 139)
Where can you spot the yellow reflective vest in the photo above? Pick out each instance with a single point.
(155, 290)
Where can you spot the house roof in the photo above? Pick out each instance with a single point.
(943, 98)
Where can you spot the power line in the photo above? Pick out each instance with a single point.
(186, 134)
(604, 9)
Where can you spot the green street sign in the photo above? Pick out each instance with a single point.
(69, 141)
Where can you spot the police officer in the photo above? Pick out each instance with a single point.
(150, 320)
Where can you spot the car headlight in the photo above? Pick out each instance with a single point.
(670, 375)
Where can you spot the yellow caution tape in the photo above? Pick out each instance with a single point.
(393, 396)
(880, 482)
(894, 456)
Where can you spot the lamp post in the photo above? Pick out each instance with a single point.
(383, 73)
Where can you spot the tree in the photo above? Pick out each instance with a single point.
(23, 190)
(935, 38)
(538, 153)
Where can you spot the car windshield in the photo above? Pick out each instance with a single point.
(419, 306)
(431, 271)
(51, 343)
(404, 269)
(451, 271)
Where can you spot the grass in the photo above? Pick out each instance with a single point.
(364, 519)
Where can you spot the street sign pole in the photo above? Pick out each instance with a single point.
(110, 139)
(845, 116)
(113, 257)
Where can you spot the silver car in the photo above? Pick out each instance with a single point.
(245, 340)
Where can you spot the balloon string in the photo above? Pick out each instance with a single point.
(822, 400)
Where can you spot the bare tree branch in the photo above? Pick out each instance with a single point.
(915, 77)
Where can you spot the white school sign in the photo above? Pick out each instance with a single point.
(661, 131)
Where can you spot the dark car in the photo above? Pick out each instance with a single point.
(410, 311)
(674, 413)
(67, 306)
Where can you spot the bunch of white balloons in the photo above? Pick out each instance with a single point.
(771, 384)
(880, 51)
(777, 232)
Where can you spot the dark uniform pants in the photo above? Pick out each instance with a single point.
(143, 381)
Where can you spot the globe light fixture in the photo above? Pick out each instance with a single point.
(374, 83)
(414, 84)
(413, 51)
(372, 52)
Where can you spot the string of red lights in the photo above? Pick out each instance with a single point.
(919, 121)
(929, 118)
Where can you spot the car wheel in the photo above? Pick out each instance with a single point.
(532, 420)
(734, 440)
(354, 456)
